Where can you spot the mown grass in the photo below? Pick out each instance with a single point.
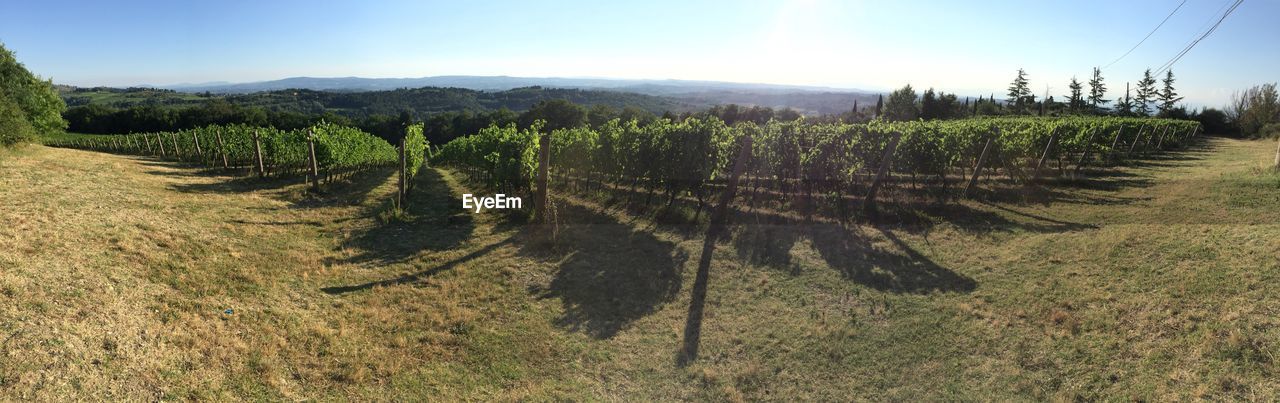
(1151, 281)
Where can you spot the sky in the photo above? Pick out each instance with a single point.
(970, 47)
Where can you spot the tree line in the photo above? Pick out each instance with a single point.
(1256, 111)
(29, 106)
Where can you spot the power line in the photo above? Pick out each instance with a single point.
(1171, 62)
(1212, 15)
(1153, 31)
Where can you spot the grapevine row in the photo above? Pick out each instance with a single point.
(339, 150)
(682, 158)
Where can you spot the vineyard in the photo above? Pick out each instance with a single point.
(799, 163)
(323, 153)
(810, 166)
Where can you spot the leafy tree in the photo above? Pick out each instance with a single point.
(929, 106)
(787, 115)
(950, 106)
(558, 113)
(14, 126)
(1146, 94)
(1019, 90)
(632, 113)
(880, 105)
(1254, 108)
(1168, 98)
(1097, 90)
(987, 107)
(599, 114)
(37, 99)
(1214, 121)
(901, 105)
(941, 105)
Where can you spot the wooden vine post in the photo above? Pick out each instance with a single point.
(544, 160)
(1084, 157)
(177, 153)
(1278, 156)
(1160, 144)
(1114, 143)
(195, 138)
(1048, 148)
(160, 144)
(404, 165)
(257, 153)
(886, 159)
(311, 153)
(982, 161)
(1135, 140)
(223, 148)
(1146, 147)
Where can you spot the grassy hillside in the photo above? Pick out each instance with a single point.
(125, 98)
(125, 277)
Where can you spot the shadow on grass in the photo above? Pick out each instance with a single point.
(351, 189)
(432, 219)
(698, 302)
(419, 276)
(608, 274)
(1060, 224)
(900, 269)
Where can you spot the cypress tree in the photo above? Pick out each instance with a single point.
(1168, 98)
(1097, 90)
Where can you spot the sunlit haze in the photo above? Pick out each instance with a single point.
(971, 48)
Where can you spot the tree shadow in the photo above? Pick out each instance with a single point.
(697, 305)
(349, 189)
(973, 220)
(224, 183)
(905, 272)
(419, 276)
(432, 219)
(1064, 190)
(608, 273)
(1064, 225)
(900, 269)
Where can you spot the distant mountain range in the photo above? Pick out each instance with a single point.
(498, 83)
(356, 96)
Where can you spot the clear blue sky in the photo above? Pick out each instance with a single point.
(969, 47)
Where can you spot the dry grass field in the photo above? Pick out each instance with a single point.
(127, 278)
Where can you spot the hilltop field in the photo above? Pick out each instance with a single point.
(131, 278)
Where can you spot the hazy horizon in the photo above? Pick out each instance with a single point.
(968, 49)
(225, 82)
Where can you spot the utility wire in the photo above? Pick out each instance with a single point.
(1213, 15)
(1153, 31)
(1169, 64)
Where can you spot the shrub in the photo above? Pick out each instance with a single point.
(14, 126)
